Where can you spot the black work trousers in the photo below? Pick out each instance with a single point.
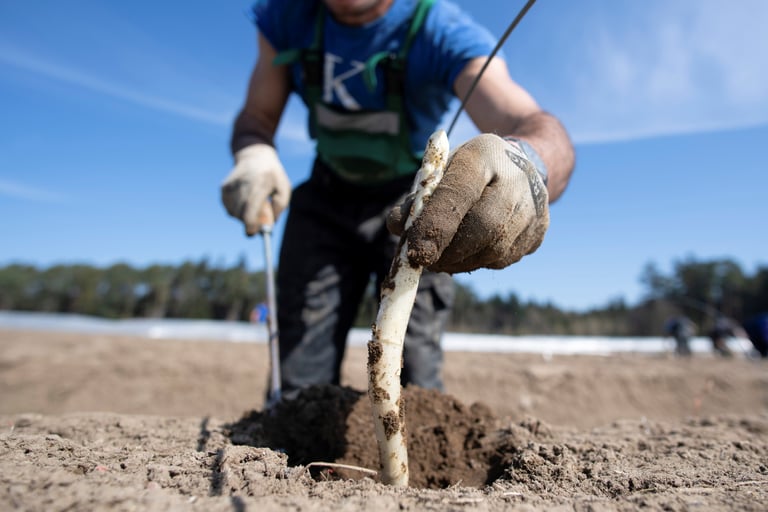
(335, 241)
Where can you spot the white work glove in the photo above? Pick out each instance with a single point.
(489, 210)
(257, 190)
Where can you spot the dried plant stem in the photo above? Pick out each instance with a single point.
(385, 350)
(338, 465)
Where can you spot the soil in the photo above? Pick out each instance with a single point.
(93, 422)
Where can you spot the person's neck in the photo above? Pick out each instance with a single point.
(357, 19)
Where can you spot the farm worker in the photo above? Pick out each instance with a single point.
(377, 77)
(682, 329)
(259, 313)
(724, 328)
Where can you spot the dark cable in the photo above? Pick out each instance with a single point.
(488, 60)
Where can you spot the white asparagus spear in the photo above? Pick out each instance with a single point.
(385, 350)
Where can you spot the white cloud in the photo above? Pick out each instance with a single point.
(20, 191)
(75, 77)
(678, 67)
(737, 43)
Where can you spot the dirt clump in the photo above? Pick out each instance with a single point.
(449, 443)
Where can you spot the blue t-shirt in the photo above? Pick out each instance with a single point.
(447, 40)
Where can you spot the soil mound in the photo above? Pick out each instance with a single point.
(118, 423)
(449, 443)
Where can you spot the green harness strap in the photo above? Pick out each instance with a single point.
(417, 20)
(361, 157)
(312, 67)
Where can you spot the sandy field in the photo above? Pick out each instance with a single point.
(93, 422)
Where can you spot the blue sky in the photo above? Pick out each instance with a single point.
(116, 118)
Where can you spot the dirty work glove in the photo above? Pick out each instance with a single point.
(257, 177)
(489, 210)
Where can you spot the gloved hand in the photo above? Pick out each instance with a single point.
(489, 210)
(257, 176)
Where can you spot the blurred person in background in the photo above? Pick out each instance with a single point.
(722, 331)
(377, 78)
(259, 313)
(682, 329)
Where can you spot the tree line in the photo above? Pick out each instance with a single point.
(698, 289)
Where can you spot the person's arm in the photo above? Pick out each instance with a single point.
(268, 91)
(257, 189)
(491, 207)
(499, 105)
